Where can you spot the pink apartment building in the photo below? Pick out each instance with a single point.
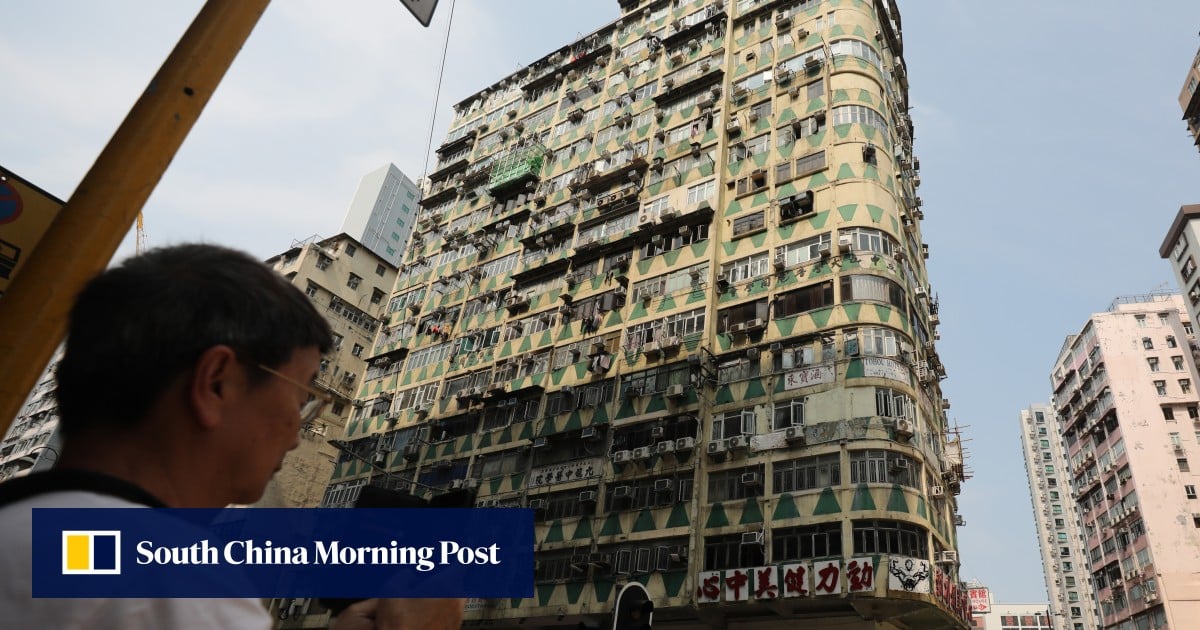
(1129, 416)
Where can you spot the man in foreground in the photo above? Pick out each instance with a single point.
(183, 385)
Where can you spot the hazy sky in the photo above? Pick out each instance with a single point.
(1052, 151)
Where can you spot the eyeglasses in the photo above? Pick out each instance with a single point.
(311, 409)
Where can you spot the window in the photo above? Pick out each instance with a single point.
(376, 296)
(805, 250)
(812, 541)
(1189, 491)
(1141, 322)
(730, 423)
(874, 288)
(353, 281)
(350, 250)
(357, 351)
(311, 290)
(1160, 387)
(788, 413)
(728, 552)
(1182, 462)
(889, 537)
(1185, 385)
(1153, 363)
(807, 473)
(891, 403)
(1171, 342)
(803, 300)
(883, 467)
(738, 483)
(749, 223)
(1193, 412)
(1147, 343)
(380, 270)
(1168, 413)
(1177, 362)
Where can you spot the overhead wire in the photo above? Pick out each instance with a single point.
(438, 89)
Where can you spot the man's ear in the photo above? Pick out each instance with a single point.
(213, 382)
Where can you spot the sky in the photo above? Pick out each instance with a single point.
(1053, 160)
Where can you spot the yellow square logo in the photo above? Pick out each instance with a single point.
(91, 552)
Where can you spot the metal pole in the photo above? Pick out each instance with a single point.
(90, 227)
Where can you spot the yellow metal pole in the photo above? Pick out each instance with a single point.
(90, 227)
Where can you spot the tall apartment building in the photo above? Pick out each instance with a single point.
(1189, 99)
(1180, 248)
(669, 291)
(383, 212)
(32, 442)
(1129, 416)
(349, 284)
(1056, 518)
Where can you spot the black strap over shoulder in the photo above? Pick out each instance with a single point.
(73, 480)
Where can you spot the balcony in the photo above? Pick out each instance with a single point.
(519, 166)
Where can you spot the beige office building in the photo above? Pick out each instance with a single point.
(668, 289)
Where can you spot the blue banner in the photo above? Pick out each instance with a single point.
(343, 553)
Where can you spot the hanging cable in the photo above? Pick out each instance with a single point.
(438, 90)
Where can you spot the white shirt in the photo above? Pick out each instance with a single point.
(21, 610)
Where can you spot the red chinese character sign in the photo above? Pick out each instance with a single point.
(737, 585)
(981, 602)
(766, 582)
(708, 587)
(827, 577)
(796, 579)
(860, 575)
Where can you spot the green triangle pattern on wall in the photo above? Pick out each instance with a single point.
(754, 389)
(852, 309)
(862, 498)
(555, 533)
(517, 479)
(820, 317)
(544, 592)
(751, 512)
(827, 503)
(583, 529)
(666, 304)
(644, 522)
(526, 431)
(505, 436)
(603, 589)
(876, 213)
(678, 517)
(574, 590)
(724, 395)
(673, 582)
(716, 516)
(883, 312)
(785, 325)
(612, 525)
(855, 369)
(495, 483)
(896, 500)
(845, 172)
(847, 211)
(922, 509)
(600, 415)
(785, 508)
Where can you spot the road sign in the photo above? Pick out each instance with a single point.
(421, 9)
(26, 211)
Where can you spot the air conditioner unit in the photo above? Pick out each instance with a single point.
(600, 560)
(904, 428)
(794, 434)
(588, 433)
(734, 126)
(664, 485)
(685, 444)
(657, 432)
(937, 492)
(755, 324)
(823, 249)
(739, 441)
(780, 260)
(717, 447)
(587, 496)
(539, 442)
(812, 61)
(666, 446)
(411, 452)
(642, 452)
(1151, 598)
(620, 457)
(783, 20)
(947, 557)
(676, 391)
(899, 465)
(751, 479)
(622, 492)
(737, 329)
(920, 292)
(752, 538)
(650, 349)
(845, 243)
(537, 504)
